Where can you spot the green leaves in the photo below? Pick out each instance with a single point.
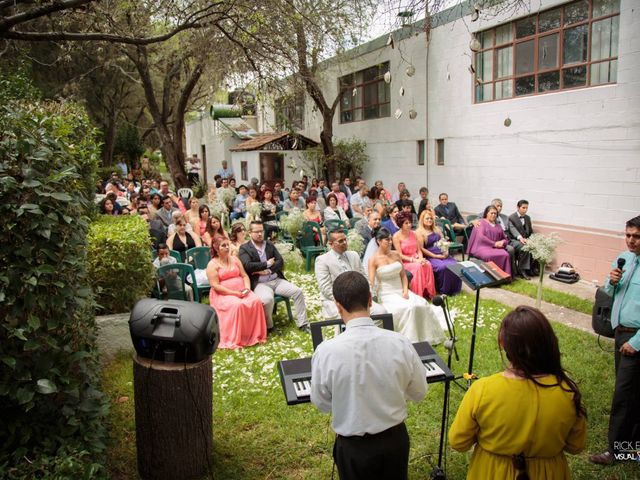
(48, 357)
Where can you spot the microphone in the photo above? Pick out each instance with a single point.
(621, 262)
(439, 300)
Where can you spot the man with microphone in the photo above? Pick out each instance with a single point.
(364, 377)
(624, 284)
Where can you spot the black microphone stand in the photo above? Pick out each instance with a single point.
(438, 473)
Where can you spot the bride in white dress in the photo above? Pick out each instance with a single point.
(412, 315)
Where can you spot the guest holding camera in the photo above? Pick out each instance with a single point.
(240, 314)
(522, 420)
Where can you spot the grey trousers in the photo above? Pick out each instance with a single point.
(279, 286)
(524, 258)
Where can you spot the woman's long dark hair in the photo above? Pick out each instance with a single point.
(487, 209)
(532, 348)
(210, 228)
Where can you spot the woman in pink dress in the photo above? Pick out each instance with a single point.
(488, 242)
(241, 319)
(405, 242)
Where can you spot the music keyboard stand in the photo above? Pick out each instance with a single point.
(491, 282)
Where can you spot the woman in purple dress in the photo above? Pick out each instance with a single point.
(428, 235)
(488, 242)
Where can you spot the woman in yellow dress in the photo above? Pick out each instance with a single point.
(522, 420)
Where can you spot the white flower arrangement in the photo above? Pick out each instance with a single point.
(543, 249)
(443, 244)
(254, 210)
(355, 242)
(292, 223)
(227, 195)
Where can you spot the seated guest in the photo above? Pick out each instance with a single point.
(378, 201)
(488, 242)
(405, 201)
(501, 219)
(240, 204)
(268, 213)
(521, 421)
(203, 221)
(241, 317)
(182, 240)
(252, 197)
(192, 216)
(405, 243)
(449, 210)
(520, 230)
(155, 204)
(428, 235)
(331, 264)
(172, 228)
(294, 201)
(170, 281)
(311, 214)
(365, 229)
(107, 207)
(397, 194)
(391, 222)
(165, 214)
(278, 194)
(345, 188)
(412, 315)
(334, 211)
(343, 201)
(387, 193)
(214, 229)
(359, 201)
(424, 200)
(264, 264)
(237, 237)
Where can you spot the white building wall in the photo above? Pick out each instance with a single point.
(216, 139)
(575, 155)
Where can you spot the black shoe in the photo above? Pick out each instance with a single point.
(604, 458)
(305, 328)
(524, 275)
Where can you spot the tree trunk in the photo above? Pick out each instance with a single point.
(173, 408)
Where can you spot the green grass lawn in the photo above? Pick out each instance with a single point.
(257, 436)
(550, 295)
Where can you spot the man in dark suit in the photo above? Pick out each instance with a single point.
(366, 229)
(520, 230)
(263, 263)
(449, 210)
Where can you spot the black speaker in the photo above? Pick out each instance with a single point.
(173, 330)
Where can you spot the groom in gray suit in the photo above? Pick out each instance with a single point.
(333, 263)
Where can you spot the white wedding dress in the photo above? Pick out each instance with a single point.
(414, 317)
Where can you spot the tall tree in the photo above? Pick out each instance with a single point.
(292, 40)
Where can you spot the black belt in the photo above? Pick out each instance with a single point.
(623, 329)
(370, 435)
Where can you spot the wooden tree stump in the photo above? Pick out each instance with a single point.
(173, 405)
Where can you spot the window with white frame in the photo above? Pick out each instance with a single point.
(571, 46)
(365, 94)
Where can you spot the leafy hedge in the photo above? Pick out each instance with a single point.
(52, 410)
(119, 261)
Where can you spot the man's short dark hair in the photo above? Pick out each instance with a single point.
(522, 202)
(406, 203)
(351, 290)
(423, 190)
(162, 246)
(634, 222)
(255, 222)
(333, 232)
(443, 193)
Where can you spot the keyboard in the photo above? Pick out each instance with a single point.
(295, 375)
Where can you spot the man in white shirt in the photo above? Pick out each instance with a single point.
(364, 377)
(226, 171)
(330, 265)
(359, 201)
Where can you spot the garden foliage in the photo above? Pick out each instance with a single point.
(119, 261)
(52, 410)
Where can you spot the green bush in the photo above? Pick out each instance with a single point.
(119, 261)
(49, 394)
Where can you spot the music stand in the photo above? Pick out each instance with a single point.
(316, 327)
(458, 269)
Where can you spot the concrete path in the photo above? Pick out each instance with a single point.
(560, 314)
